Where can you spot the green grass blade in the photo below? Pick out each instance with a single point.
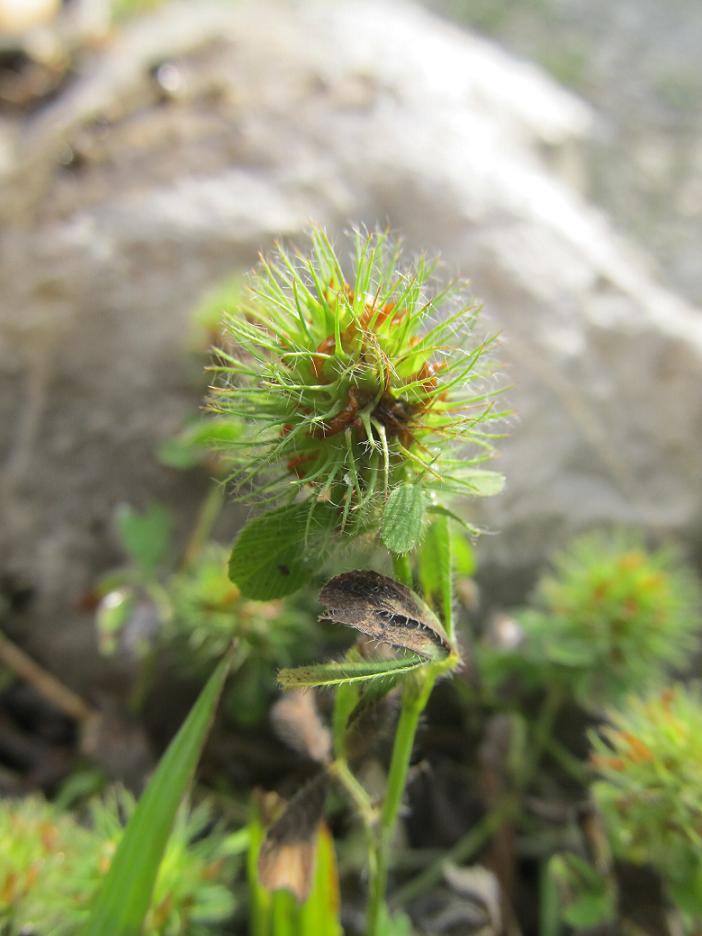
(320, 912)
(122, 902)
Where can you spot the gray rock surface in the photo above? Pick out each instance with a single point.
(196, 138)
(638, 63)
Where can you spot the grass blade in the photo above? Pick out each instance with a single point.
(122, 902)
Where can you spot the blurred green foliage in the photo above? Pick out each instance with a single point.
(649, 760)
(195, 613)
(609, 618)
(51, 865)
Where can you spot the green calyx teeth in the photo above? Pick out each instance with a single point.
(350, 386)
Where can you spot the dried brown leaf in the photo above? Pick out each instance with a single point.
(296, 721)
(385, 610)
(287, 857)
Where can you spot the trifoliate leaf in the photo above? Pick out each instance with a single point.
(278, 552)
(402, 519)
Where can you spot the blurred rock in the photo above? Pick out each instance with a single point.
(198, 135)
(41, 43)
(17, 16)
(637, 63)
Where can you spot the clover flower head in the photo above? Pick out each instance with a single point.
(209, 611)
(614, 616)
(649, 761)
(351, 384)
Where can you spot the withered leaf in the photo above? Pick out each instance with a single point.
(296, 721)
(385, 610)
(287, 857)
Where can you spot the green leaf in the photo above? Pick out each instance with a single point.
(589, 910)
(395, 924)
(259, 898)
(190, 446)
(278, 552)
(435, 566)
(463, 554)
(483, 483)
(146, 537)
(320, 912)
(338, 674)
(587, 896)
(121, 903)
(403, 518)
(345, 701)
(575, 653)
(686, 891)
(79, 786)
(549, 899)
(442, 511)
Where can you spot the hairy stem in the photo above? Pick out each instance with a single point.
(414, 699)
(413, 705)
(356, 792)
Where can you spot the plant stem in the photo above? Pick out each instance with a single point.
(543, 731)
(413, 705)
(414, 699)
(357, 793)
(567, 761)
(359, 797)
(207, 515)
(44, 682)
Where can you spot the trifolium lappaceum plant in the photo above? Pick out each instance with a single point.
(366, 401)
(648, 762)
(351, 405)
(612, 617)
(363, 389)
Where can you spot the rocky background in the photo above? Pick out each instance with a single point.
(636, 63)
(140, 165)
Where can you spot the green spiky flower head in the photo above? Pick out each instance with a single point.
(356, 382)
(649, 762)
(51, 867)
(613, 617)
